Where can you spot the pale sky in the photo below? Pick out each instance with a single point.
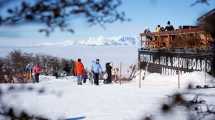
(143, 13)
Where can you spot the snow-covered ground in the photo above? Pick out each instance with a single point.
(65, 99)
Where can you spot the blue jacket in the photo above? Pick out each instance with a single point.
(96, 68)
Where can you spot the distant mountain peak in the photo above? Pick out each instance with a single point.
(97, 41)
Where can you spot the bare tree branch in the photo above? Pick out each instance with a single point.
(200, 2)
(58, 13)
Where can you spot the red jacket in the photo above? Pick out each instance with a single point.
(79, 68)
(37, 69)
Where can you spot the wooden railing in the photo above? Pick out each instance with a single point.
(179, 38)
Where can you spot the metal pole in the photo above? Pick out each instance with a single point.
(205, 71)
(205, 77)
(139, 70)
(140, 79)
(141, 41)
(178, 74)
(120, 73)
(115, 74)
(178, 79)
(114, 71)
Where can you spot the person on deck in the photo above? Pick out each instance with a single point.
(148, 33)
(158, 28)
(79, 71)
(96, 70)
(169, 27)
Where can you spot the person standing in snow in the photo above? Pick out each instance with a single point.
(72, 68)
(85, 76)
(36, 73)
(96, 70)
(28, 70)
(90, 77)
(109, 73)
(79, 71)
(67, 69)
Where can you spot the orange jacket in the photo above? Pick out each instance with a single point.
(79, 68)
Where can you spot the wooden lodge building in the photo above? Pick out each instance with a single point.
(186, 49)
(187, 37)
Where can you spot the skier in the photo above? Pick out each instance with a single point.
(36, 73)
(79, 71)
(96, 70)
(109, 73)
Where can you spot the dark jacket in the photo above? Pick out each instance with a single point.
(66, 68)
(108, 68)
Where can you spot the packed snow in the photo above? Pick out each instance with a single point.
(64, 99)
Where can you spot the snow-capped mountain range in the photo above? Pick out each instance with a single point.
(97, 41)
